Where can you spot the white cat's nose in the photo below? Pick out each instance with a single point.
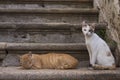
(88, 34)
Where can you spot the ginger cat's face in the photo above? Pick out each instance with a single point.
(26, 61)
(87, 29)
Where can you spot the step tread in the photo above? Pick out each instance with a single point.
(51, 0)
(70, 0)
(50, 10)
(44, 46)
(52, 26)
(15, 73)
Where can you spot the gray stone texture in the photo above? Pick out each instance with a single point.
(40, 37)
(16, 73)
(43, 32)
(42, 18)
(49, 5)
(11, 60)
(2, 55)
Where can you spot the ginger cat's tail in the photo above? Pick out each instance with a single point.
(101, 67)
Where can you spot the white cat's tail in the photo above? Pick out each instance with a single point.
(101, 67)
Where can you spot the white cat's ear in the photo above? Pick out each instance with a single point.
(83, 23)
(93, 26)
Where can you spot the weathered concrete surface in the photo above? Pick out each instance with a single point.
(2, 54)
(3, 45)
(46, 26)
(38, 8)
(49, 10)
(109, 12)
(47, 46)
(42, 37)
(48, 18)
(46, 4)
(2, 50)
(15, 73)
(61, 0)
(11, 60)
(49, 3)
(35, 32)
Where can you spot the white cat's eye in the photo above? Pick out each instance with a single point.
(84, 29)
(90, 30)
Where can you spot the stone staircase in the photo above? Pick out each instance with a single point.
(43, 26)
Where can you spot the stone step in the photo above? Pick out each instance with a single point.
(44, 46)
(44, 15)
(50, 10)
(35, 32)
(37, 26)
(47, 3)
(49, 0)
(77, 50)
(15, 73)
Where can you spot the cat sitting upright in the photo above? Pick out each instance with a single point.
(99, 52)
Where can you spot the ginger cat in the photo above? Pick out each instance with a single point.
(99, 52)
(48, 61)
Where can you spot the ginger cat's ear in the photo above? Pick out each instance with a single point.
(19, 56)
(30, 53)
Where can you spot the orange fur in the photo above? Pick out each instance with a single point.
(48, 61)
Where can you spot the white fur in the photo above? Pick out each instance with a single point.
(97, 48)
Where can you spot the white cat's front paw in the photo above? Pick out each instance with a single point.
(90, 68)
(90, 65)
(93, 65)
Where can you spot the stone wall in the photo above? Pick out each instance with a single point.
(110, 13)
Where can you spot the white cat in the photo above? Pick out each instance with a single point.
(99, 52)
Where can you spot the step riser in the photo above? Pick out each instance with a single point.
(44, 37)
(52, 3)
(48, 5)
(22, 1)
(42, 18)
(14, 49)
(44, 32)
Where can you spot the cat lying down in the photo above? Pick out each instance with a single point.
(48, 61)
